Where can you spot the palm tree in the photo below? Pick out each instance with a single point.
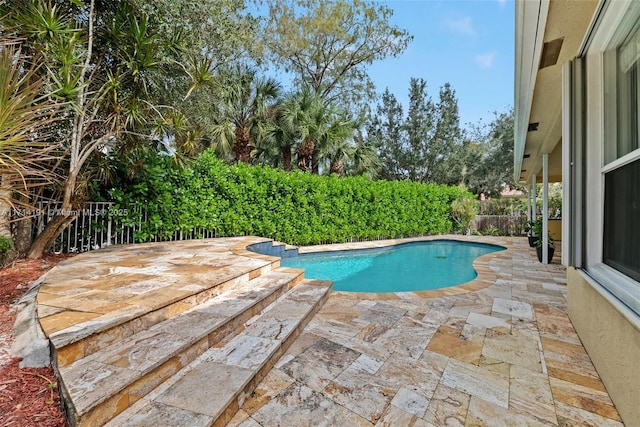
(306, 117)
(316, 133)
(364, 160)
(314, 128)
(336, 145)
(244, 105)
(278, 140)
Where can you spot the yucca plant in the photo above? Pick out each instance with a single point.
(27, 145)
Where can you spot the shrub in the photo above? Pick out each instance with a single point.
(295, 207)
(491, 231)
(463, 211)
(6, 244)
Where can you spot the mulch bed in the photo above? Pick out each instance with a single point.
(28, 397)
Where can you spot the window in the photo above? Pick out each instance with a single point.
(621, 243)
(621, 165)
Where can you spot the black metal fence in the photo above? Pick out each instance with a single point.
(100, 224)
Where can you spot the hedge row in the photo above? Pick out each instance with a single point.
(295, 207)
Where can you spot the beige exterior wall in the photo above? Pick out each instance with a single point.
(612, 341)
(555, 228)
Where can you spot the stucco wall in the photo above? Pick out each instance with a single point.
(612, 341)
(555, 228)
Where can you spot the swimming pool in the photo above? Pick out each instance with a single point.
(401, 268)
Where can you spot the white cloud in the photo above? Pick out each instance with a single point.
(485, 60)
(502, 2)
(462, 26)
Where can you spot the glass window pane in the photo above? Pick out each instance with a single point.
(622, 93)
(621, 248)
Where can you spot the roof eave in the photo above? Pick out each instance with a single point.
(531, 19)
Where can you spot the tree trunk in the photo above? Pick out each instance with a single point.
(5, 217)
(315, 168)
(23, 226)
(305, 155)
(53, 229)
(336, 167)
(5, 208)
(242, 147)
(286, 158)
(24, 235)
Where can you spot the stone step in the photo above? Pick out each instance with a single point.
(211, 389)
(144, 310)
(274, 248)
(103, 384)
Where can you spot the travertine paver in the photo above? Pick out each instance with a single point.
(200, 390)
(101, 290)
(498, 351)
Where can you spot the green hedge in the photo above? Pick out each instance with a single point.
(295, 208)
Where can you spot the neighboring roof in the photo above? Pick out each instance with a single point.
(511, 193)
(548, 34)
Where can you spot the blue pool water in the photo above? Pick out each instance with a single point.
(401, 268)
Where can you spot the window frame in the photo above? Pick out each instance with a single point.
(624, 288)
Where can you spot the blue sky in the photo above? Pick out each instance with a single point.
(468, 43)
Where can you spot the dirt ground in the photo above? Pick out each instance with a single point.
(28, 397)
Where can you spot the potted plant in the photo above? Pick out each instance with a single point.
(533, 229)
(550, 249)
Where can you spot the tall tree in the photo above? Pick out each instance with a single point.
(483, 161)
(419, 146)
(215, 36)
(336, 147)
(364, 158)
(223, 31)
(385, 133)
(277, 144)
(447, 136)
(311, 119)
(422, 152)
(497, 166)
(328, 44)
(318, 133)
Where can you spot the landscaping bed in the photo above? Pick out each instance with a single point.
(28, 397)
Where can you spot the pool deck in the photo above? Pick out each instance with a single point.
(499, 350)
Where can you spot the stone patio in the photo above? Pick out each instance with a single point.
(499, 350)
(506, 354)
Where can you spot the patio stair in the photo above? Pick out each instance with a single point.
(274, 248)
(192, 368)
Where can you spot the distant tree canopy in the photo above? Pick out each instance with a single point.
(428, 145)
(327, 45)
(416, 146)
(488, 156)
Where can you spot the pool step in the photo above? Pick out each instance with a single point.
(99, 386)
(211, 389)
(274, 248)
